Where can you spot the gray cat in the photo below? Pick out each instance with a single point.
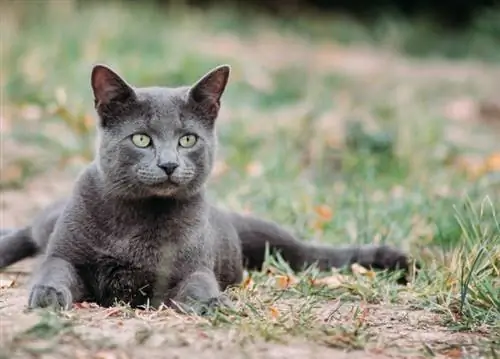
(137, 227)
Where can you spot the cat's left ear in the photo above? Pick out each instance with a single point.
(206, 93)
(108, 87)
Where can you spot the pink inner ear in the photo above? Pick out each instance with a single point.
(212, 86)
(216, 84)
(105, 86)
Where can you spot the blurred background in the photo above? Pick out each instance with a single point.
(349, 121)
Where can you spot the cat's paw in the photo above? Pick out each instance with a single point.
(206, 307)
(44, 296)
(217, 303)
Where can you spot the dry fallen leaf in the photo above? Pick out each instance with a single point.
(477, 166)
(359, 269)
(113, 312)
(453, 353)
(248, 283)
(333, 281)
(7, 283)
(88, 122)
(492, 162)
(274, 312)
(473, 166)
(284, 281)
(324, 212)
(85, 305)
(324, 215)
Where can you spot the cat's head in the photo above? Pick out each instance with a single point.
(156, 141)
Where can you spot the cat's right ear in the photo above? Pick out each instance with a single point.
(108, 87)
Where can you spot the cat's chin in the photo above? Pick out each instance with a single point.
(168, 188)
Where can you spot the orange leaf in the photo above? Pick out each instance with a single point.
(274, 312)
(453, 353)
(332, 281)
(324, 212)
(284, 281)
(359, 269)
(248, 283)
(88, 122)
(492, 163)
(113, 312)
(85, 305)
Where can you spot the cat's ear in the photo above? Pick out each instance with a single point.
(206, 93)
(109, 87)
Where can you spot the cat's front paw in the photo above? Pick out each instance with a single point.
(213, 304)
(206, 307)
(44, 296)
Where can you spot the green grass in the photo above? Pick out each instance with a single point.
(373, 148)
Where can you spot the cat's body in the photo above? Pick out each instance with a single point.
(137, 227)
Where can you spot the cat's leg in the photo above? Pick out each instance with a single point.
(200, 293)
(56, 285)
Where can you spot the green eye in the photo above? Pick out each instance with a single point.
(141, 140)
(188, 141)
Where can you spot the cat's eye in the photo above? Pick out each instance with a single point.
(141, 140)
(187, 141)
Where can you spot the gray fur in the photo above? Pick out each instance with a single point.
(136, 232)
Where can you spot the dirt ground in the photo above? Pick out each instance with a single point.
(393, 331)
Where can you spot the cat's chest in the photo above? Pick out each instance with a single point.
(133, 266)
(140, 240)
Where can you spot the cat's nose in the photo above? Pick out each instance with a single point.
(168, 167)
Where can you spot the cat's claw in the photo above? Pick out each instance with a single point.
(44, 296)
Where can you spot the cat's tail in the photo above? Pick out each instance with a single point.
(29, 241)
(16, 245)
(5, 231)
(256, 235)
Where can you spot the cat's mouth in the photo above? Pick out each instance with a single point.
(167, 182)
(172, 181)
(156, 181)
